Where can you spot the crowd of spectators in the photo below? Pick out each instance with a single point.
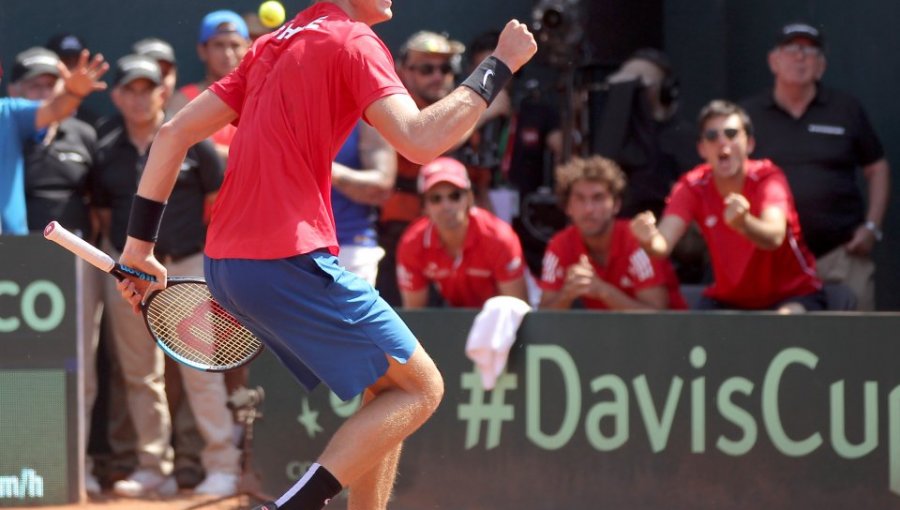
(770, 184)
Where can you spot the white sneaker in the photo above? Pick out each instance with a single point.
(91, 485)
(218, 483)
(145, 482)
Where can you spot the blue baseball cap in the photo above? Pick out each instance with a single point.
(222, 22)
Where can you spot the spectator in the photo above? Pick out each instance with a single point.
(821, 137)
(186, 439)
(644, 134)
(222, 42)
(426, 65)
(597, 259)
(21, 120)
(746, 214)
(68, 48)
(469, 254)
(57, 161)
(162, 52)
(362, 177)
(138, 95)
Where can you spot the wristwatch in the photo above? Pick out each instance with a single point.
(872, 227)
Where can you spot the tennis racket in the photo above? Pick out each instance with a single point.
(184, 319)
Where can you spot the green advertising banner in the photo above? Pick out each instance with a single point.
(597, 410)
(38, 373)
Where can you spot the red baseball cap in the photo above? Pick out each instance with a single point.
(443, 169)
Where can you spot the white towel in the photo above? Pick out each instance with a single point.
(493, 334)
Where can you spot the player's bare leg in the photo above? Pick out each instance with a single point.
(372, 491)
(365, 450)
(405, 397)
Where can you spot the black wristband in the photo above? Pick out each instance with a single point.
(489, 78)
(146, 215)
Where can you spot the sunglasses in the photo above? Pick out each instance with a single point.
(436, 198)
(801, 49)
(711, 135)
(427, 69)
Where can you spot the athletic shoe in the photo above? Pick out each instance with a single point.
(145, 482)
(91, 485)
(218, 483)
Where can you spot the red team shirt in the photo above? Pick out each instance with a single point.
(628, 267)
(291, 127)
(746, 276)
(491, 254)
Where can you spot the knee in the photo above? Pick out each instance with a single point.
(433, 390)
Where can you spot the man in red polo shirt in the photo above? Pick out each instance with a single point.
(271, 252)
(469, 254)
(746, 214)
(596, 259)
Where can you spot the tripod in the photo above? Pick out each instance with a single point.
(245, 403)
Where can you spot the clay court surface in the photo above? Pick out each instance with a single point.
(184, 502)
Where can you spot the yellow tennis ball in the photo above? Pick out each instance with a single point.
(271, 13)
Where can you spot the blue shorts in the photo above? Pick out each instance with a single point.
(325, 324)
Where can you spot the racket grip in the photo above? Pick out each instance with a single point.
(85, 250)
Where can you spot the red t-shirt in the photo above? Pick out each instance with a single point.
(628, 267)
(746, 276)
(298, 93)
(220, 137)
(491, 254)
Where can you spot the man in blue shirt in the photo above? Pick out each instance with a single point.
(21, 119)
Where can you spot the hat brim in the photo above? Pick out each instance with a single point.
(37, 70)
(458, 181)
(138, 75)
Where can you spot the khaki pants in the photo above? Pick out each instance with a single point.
(857, 273)
(142, 366)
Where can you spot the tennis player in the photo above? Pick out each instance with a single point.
(270, 253)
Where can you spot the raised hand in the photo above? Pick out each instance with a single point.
(736, 209)
(516, 45)
(84, 78)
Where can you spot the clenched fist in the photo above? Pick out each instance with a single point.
(736, 209)
(516, 45)
(643, 226)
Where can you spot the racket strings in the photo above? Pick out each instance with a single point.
(193, 326)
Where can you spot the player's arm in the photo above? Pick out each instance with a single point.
(197, 121)
(766, 232)
(423, 135)
(78, 83)
(372, 184)
(658, 240)
(515, 288)
(413, 299)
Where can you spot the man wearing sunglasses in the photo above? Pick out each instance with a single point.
(426, 66)
(746, 214)
(469, 254)
(822, 138)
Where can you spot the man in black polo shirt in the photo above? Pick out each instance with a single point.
(57, 161)
(139, 96)
(820, 137)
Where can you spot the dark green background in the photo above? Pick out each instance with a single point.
(437, 471)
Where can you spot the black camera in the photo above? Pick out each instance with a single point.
(559, 31)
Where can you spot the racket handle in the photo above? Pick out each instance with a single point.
(90, 253)
(85, 250)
